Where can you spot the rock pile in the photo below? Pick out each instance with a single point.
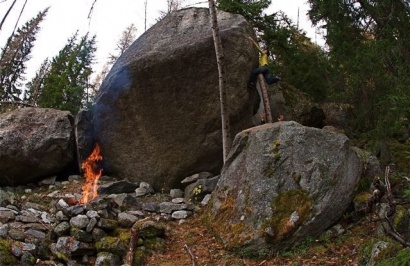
(51, 227)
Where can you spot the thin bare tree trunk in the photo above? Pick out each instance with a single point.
(265, 98)
(145, 18)
(7, 13)
(18, 19)
(226, 139)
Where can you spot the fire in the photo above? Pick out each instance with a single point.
(92, 173)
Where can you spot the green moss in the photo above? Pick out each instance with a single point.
(155, 244)
(283, 206)
(401, 220)
(62, 256)
(230, 231)
(270, 171)
(394, 255)
(139, 257)
(6, 257)
(297, 178)
(124, 235)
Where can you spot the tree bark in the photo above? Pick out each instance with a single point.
(226, 139)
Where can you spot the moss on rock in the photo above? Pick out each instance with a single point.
(290, 210)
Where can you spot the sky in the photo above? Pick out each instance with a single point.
(109, 18)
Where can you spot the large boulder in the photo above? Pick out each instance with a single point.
(157, 116)
(34, 143)
(281, 184)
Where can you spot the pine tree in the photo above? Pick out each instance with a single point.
(66, 84)
(14, 57)
(34, 87)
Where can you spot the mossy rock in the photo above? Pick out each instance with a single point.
(149, 229)
(286, 205)
(402, 258)
(361, 199)
(113, 245)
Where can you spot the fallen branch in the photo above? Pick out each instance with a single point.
(191, 254)
(133, 242)
(389, 215)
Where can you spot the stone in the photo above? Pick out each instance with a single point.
(39, 141)
(106, 258)
(159, 147)
(176, 193)
(62, 229)
(181, 214)
(117, 187)
(296, 180)
(126, 220)
(79, 221)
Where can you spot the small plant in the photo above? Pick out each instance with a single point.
(197, 190)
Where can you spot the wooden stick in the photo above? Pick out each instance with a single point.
(389, 216)
(265, 98)
(133, 242)
(191, 254)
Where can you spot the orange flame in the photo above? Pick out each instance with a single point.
(92, 174)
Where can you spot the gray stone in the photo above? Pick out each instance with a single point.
(155, 67)
(4, 229)
(126, 220)
(70, 247)
(197, 190)
(81, 235)
(98, 234)
(117, 187)
(169, 207)
(147, 186)
(195, 177)
(79, 221)
(7, 215)
(62, 229)
(91, 224)
(39, 141)
(206, 199)
(31, 233)
(106, 258)
(181, 214)
(176, 193)
(297, 181)
(150, 207)
(178, 200)
(139, 192)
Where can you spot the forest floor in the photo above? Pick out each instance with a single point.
(191, 243)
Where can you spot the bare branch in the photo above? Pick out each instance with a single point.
(91, 9)
(7, 13)
(190, 254)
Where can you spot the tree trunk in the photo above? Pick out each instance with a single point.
(7, 13)
(226, 139)
(265, 98)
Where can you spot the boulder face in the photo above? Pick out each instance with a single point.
(34, 143)
(157, 116)
(282, 183)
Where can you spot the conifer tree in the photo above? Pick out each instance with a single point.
(66, 83)
(14, 57)
(34, 87)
